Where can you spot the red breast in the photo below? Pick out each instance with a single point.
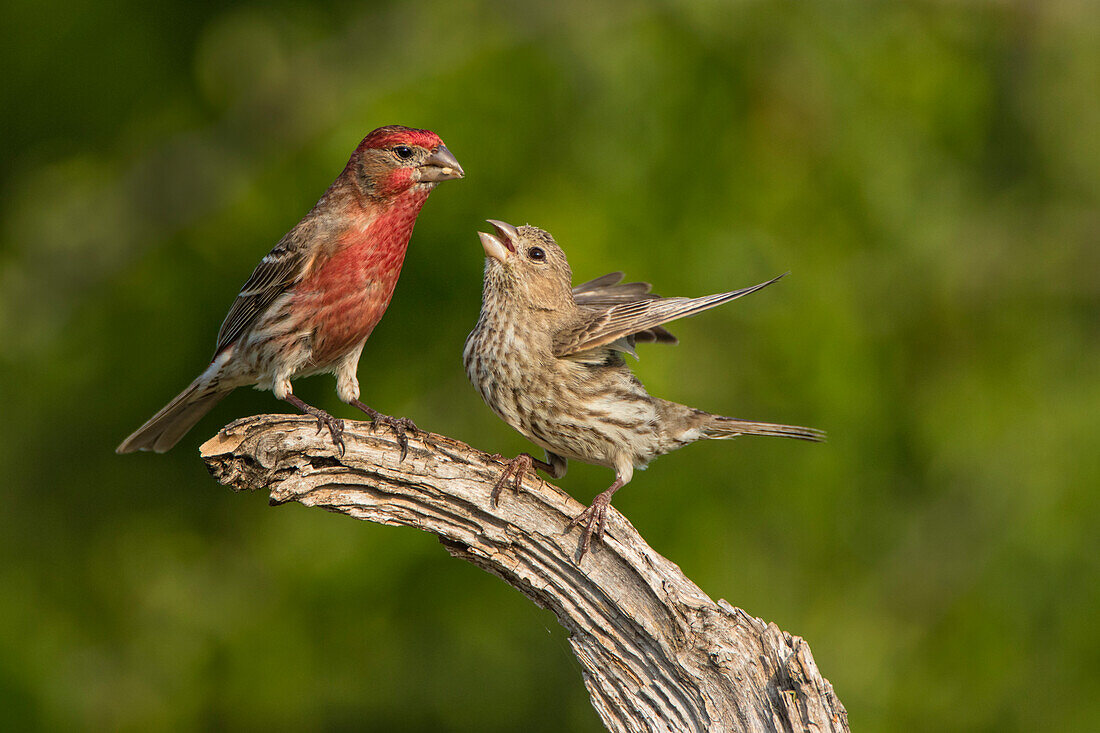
(348, 293)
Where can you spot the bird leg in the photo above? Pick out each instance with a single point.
(335, 425)
(515, 469)
(595, 516)
(397, 424)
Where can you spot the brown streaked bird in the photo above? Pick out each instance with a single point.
(311, 303)
(548, 359)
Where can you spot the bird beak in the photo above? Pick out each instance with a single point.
(493, 247)
(441, 165)
(500, 246)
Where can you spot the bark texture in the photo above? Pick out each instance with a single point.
(657, 653)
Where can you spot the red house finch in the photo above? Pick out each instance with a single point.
(548, 359)
(314, 299)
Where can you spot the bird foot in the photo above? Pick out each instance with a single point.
(324, 420)
(513, 469)
(594, 519)
(396, 424)
(335, 428)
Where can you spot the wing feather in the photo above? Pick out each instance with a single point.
(277, 271)
(603, 325)
(609, 290)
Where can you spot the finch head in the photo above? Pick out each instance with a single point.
(394, 158)
(525, 265)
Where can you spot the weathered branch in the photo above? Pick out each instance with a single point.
(657, 653)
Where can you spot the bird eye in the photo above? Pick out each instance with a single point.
(404, 152)
(536, 254)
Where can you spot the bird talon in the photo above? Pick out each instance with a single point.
(514, 469)
(324, 420)
(397, 425)
(336, 430)
(594, 519)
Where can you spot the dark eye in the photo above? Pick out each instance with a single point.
(536, 254)
(404, 152)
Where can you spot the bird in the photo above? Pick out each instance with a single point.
(313, 300)
(549, 360)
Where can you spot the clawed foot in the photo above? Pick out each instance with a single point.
(594, 519)
(335, 428)
(513, 469)
(324, 420)
(595, 516)
(397, 424)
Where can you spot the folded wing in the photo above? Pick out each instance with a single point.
(277, 271)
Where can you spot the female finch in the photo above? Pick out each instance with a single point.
(548, 359)
(310, 305)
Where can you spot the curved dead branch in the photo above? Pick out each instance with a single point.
(657, 653)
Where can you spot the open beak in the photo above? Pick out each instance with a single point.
(502, 245)
(441, 165)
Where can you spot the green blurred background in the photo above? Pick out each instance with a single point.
(929, 172)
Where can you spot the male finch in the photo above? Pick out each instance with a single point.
(310, 305)
(548, 359)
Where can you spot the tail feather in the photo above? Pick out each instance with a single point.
(164, 430)
(717, 426)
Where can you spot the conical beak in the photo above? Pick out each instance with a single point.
(441, 165)
(501, 245)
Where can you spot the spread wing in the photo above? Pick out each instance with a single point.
(609, 290)
(277, 271)
(605, 325)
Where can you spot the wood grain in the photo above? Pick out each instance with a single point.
(656, 652)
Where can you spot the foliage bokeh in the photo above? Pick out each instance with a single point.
(928, 171)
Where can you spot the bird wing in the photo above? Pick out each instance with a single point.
(601, 326)
(277, 271)
(609, 290)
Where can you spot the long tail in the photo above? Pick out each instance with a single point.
(718, 426)
(164, 430)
